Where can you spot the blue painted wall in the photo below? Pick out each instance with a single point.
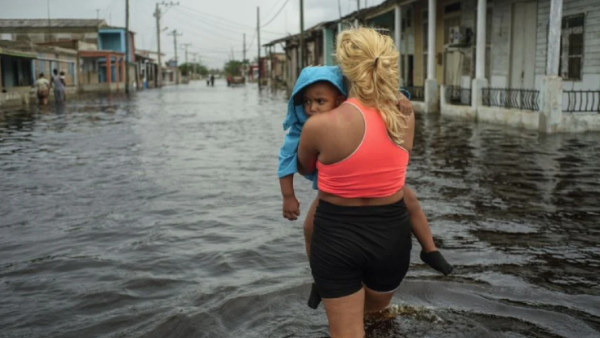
(111, 41)
(384, 21)
(114, 39)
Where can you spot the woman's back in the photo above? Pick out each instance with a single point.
(373, 165)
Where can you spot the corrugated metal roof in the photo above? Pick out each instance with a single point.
(52, 23)
(360, 14)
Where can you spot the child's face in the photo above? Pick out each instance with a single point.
(321, 98)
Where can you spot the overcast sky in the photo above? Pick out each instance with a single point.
(213, 27)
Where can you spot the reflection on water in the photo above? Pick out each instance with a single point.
(159, 216)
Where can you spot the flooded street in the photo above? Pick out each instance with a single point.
(160, 216)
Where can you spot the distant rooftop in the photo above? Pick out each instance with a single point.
(52, 23)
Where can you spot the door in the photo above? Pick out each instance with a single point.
(453, 62)
(524, 27)
(453, 68)
(411, 71)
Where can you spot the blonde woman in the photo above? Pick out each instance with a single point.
(362, 235)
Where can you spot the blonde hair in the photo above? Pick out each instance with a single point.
(369, 61)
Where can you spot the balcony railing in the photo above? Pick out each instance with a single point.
(457, 95)
(523, 99)
(416, 93)
(582, 101)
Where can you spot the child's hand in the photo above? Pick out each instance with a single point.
(291, 208)
(404, 105)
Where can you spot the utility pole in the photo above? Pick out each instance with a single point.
(340, 8)
(127, 49)
(186, 45)
(358, 5)
(97, 14)
(244, 49)
(302, 34)
(258, 36)
(159, 70)
(175, 35)
(195, 67)
(244, 58)
(157, 15)
(49, 26)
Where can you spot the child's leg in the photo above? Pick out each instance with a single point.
(309, 224)
(420, 226)
(314, 299)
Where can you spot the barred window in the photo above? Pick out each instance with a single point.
(571, 47)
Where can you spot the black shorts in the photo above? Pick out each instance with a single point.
(356, 246)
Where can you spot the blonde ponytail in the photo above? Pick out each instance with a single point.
(369, 61)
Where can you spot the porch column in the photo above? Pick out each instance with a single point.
(108, 58)
(480, 81)
(327, 47)
(431, 85)
(117, 72)
(398, 39)
(551, 88)
(0, 73)
(76, 74)
(123, 70)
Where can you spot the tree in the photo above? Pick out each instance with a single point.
(198, 68)
(233, 68)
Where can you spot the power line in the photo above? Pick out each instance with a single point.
(223, 20)
(272, 8)
(252, 41)
(224, 41)
(277, 14)
(209, 26)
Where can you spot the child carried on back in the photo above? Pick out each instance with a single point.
(319, 90)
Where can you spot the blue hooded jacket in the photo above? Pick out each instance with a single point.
(295, 118)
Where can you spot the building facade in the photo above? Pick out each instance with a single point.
(531, 64)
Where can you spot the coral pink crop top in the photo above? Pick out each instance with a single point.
(377, 168)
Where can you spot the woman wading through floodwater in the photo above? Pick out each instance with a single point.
(362, 235)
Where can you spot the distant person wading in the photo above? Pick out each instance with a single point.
(59, 86)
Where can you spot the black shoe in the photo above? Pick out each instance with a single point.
(435, 260)
(314, 299)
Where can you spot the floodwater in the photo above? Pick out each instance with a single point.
(159, 216)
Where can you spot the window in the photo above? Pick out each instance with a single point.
(452, 8)
(571, 47)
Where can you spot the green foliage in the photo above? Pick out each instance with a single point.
(196, 68)
(233, 68)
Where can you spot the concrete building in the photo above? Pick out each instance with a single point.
(101, 62)
(146, 69)
(531, 64)
(277, 68)
(21, 62)
(44, 30)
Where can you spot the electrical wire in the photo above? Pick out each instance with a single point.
(209, 26)
(273, 7)
(223, 21)
(213, 36)
(276, 15)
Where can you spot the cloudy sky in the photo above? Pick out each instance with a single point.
(213, 27)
